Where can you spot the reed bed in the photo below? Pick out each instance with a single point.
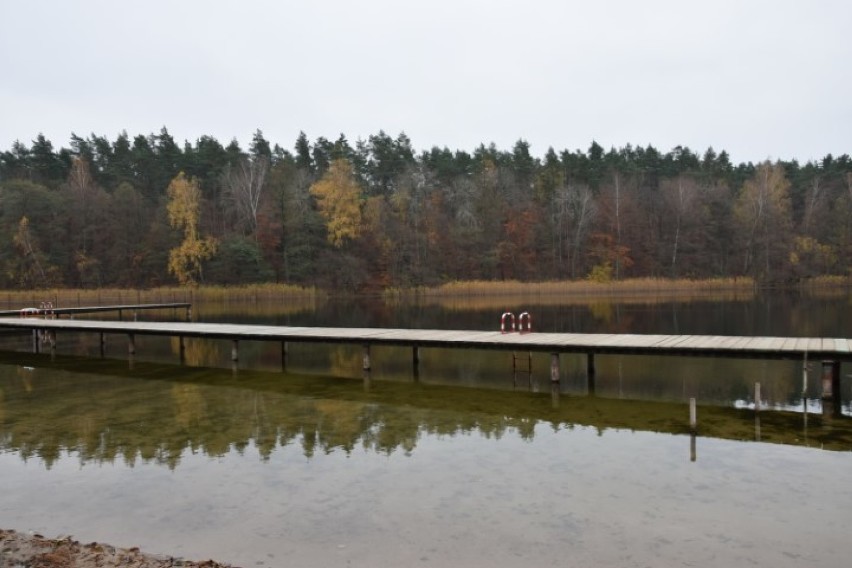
(637, 286)
(65, 297)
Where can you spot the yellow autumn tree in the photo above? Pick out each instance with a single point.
(184, 210)
(338, 198)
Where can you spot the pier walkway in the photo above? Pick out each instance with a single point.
(835, 349)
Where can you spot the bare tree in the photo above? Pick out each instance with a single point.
(575, 209)
(680, 196)
(244, 184)
(813, 201)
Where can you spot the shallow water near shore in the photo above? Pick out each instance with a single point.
(465, 467)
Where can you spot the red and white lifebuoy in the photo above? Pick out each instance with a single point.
(525, 322)
(511, 317)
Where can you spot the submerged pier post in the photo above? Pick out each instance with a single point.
(590, 372)
(831, 403)
(367, 364)
(235, 350)
(131, 344)
(35, 341)
(415, 361)
(830, 379)
(554, 367)
(182, 349)
(103, 344)
(284, 353)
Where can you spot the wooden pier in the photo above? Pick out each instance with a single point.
(814, 348)
(134, 309)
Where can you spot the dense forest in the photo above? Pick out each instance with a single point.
(144, 211)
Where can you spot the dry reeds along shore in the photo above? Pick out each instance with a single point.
(579, 287)
(722, 288)
(14, 299)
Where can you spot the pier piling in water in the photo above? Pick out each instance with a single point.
(554, 367)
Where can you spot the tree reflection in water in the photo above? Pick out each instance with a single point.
(100, 410)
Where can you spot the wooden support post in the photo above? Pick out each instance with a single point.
(830, 379)
(554, 367)
(590, 372)
(367, 364)
(756, 427)
(103, 344)
(415, 361)
(285, 351)
(182, 349)
(693, 415)
(693, 453)
(757, 397)
(35, 341)
(131, 344)
(235, 350)
(119, 315)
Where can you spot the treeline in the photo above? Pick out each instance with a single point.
(377, 213)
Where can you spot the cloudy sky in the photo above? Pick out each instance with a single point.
(761, 79)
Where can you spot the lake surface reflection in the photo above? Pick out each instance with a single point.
(318, 466)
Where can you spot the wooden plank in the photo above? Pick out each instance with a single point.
(815, 345)
(727, 342)
(789, 344)
(802, 344)
(672, 342)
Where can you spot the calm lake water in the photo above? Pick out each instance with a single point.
(466, 466)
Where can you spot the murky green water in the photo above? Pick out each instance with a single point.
(464, 467)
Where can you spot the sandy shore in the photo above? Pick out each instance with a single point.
(19, 550)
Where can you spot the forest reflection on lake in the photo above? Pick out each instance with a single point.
(319, 466)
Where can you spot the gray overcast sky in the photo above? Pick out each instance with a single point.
(761, 79)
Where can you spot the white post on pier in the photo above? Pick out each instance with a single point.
(757, 397)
